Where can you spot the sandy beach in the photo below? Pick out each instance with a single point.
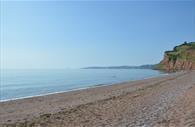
(166, 101)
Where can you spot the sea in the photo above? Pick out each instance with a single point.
(18, 84)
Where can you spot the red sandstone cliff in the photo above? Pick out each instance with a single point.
(182, 57)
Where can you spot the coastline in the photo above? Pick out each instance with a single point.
(141, 97)
(78, 89)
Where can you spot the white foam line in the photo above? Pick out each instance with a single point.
(95, 86)
(19, 98)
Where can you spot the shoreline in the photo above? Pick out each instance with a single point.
(78, 89)
(136, 103)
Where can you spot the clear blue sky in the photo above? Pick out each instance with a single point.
(76, 34)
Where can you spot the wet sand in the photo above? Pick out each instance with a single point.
(166, 101)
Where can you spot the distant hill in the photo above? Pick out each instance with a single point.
(122, 67)
(182, 57)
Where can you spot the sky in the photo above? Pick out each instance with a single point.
(74, 34)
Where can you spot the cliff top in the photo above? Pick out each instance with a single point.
(182, 52)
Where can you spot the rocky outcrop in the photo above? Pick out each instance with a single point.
(182, 57)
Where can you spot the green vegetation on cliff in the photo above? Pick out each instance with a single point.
(180, 58)
(181, 52)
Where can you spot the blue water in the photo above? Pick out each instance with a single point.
(26, 83)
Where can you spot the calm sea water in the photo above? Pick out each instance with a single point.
(25, 83)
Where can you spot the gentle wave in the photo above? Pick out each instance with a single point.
(61, 81)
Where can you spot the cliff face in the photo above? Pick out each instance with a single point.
(182, 57)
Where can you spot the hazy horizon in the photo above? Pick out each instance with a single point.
(64, 34)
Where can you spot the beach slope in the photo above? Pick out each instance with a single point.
(166, 101)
